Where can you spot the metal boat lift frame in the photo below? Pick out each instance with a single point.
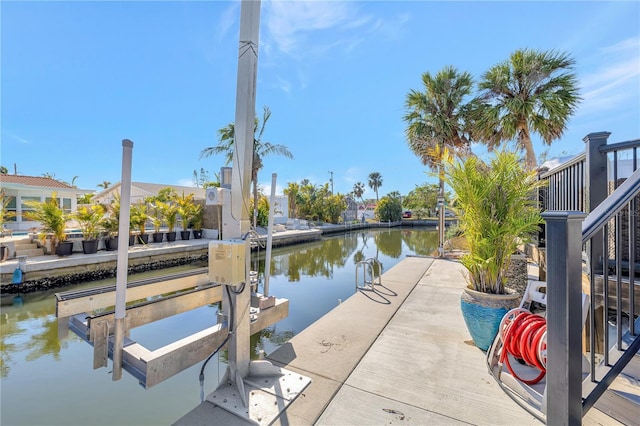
(86, 313)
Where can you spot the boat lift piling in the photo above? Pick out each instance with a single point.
(267, 264)
(123, 258)
(256, 391)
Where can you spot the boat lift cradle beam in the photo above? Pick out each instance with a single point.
(74, 302)
(153, 367)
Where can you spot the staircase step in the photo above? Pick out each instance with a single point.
(26, 246)
(622, 400)
(30, 252)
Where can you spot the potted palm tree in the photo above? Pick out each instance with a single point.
(496, 212)
(54, 221)
(138, 220)
(170, 213)
(156, 218)
(111, 223)
(196, 219)
(90, 220)
(185, 210)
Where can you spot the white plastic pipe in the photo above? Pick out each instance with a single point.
(267, 261)
(123, 258)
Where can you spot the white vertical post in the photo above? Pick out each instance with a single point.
(123, 258)
(245, 113)
(267, 260)
(239, 346)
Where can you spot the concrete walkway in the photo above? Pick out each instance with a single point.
(411, 361)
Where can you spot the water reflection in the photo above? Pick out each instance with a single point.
(312, 276)
(29, 326)
(312, 259)
(420, 242)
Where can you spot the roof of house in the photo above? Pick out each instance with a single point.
(154, 188)
(33, 181)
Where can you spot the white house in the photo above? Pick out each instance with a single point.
(22, 189)
(142, 190)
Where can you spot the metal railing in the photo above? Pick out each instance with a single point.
(609, 237)
(371, 274)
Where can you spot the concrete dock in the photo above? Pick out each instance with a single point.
(401, 355)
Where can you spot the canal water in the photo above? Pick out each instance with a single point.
(47, 381)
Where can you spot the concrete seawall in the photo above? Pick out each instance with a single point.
(50, 271)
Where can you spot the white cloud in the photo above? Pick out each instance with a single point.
(616, 79)
(283, 85)
(289, 23)
(16, 138)
(186, 182)
(227, 20)
(307, 31)
(266, 189)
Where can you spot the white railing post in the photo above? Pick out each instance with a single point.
(564, 317)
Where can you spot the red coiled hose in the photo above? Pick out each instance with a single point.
(523, 335)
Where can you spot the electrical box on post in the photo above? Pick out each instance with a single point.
(227, 262)
(214, 197)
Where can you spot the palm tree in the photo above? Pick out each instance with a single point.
(533, 91)
(260, 149)
(438, 123)
(358, 189)
(375, 182)
(437, 119)
(292, 191)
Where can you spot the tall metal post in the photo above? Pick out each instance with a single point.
(238, 393)
(123, 259)
(331, 181)
(239, 347)
(564, 317)
(267, 261)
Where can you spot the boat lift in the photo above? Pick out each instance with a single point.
(255, 391)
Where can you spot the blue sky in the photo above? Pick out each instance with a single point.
(78, 77)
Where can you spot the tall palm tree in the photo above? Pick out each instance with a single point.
(375, 182)
(438, 118)
(532, 91)
(438, 123)
(358, 190)
(261, 148)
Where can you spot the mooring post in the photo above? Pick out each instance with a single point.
(123, 258)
